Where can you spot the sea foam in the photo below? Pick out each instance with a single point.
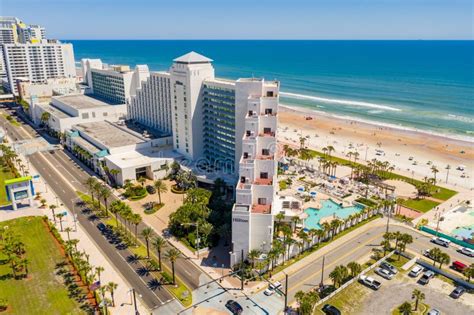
(337, 101)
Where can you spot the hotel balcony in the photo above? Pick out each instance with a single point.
(263, 181)
(265, 157)
(263, 209)
(267, 134)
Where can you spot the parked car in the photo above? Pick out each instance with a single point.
(415, 271)
(370, 282)
(234, 307)
(101, 227)
(272, 288)
(331, 310)
(441, 241)
(389, 267)
(384, 273)
(425, 279)
(457, 292)
(150, 189)
(467, 251)
(434, 312)
(458, 266)
(426, 253)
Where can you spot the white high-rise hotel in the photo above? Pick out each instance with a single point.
(230, 125)
(27, 55)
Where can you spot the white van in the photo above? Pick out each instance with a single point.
(441, 241)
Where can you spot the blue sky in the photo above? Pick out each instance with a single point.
(247, 19)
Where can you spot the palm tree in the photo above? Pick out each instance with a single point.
(355, 268)
(338, 275)
(469, 272)
(160, 187)
(98, 270)
(172, 255)
(45, 117)
(68, 230)
(404, 239)
(418, 296)
(146, 234)
(448, 167)
(443, 259)
(60, 216)
(158, 244)
(105, 194)
(434, 254)
(434, 170)
(52, 207)
(136, 219)
(405, 308)
(111, 286)
(253, 256)
(115, 208)
(295, 219)
(114, 172)
(279, 217)
(90, 183)
(43, 202)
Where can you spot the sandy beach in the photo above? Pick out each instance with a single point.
(398, 145)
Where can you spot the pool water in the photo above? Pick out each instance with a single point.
(464, 232)
(328, 209)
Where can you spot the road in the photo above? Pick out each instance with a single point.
(358, 248)
(65, 176)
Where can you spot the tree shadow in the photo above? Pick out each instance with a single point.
(143, 272)
(133, 259)
(154, 284)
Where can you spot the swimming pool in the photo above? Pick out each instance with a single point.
(328, 209)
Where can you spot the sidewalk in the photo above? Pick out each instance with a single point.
(122, 295)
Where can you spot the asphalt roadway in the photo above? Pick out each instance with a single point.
(65, 176)
(357, 248)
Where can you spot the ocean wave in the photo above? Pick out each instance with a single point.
(459, 118)
(337, 101)
(465, 138)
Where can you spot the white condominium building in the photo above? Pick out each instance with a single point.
(151, 106)
(38, 62)
(253, 212)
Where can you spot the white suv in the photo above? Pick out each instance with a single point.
(441, 241)
(467, 251)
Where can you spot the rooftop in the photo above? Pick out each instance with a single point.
(80, 101)
(54, 111)
(137, 158)
(110, 135)
(192, 57)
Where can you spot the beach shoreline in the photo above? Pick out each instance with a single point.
(397, 145)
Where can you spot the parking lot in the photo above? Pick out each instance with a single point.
(358, 298)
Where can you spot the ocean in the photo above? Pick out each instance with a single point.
(423, 85)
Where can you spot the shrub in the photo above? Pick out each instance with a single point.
(175, 189)
(168, 278)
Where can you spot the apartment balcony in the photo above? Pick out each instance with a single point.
(265, 157)
(267, 134)
(263, 181)
(262, 209)
(244, 186)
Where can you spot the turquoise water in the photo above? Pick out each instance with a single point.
(466, 232)
(427, 85)
(329, 208)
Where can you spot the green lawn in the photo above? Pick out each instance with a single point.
(5, 173)
(43, 292)
(348, 301)
(421, 205)
(443, 193)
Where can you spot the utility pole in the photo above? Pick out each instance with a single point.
(322, 274)
(135, 302)
(286, 292)
(242, 270)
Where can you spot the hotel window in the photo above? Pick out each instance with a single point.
(262, 201)
(268, 111)
(265, 152)
(264, 175)
(269, 93)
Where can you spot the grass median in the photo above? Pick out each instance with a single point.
(180, 291)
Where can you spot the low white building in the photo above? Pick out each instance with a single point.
(129, 149)
(69, 110)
